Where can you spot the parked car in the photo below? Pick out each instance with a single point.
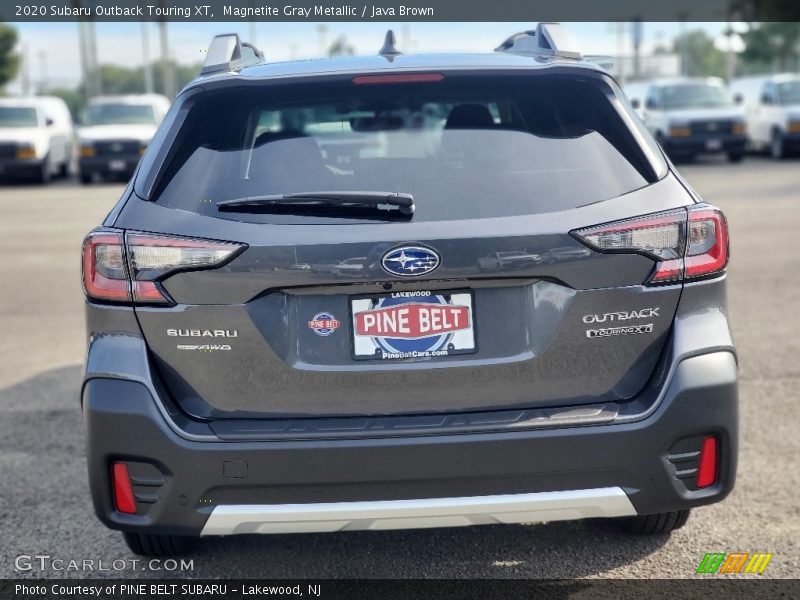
(772, 110)
(224, 396)
(115, 133)
(36, 138)
(691, 116)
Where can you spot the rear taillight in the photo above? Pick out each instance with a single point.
(105, 273)
(707, 246)
(152, 257)
(686, 244)
(117, 271)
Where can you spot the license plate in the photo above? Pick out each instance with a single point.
(412, 325)
(713, 144)
(117, 165)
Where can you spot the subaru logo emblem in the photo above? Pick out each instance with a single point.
(410, 261)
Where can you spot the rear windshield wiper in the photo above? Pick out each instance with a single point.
(393, 202)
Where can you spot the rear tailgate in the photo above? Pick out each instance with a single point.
(272, 333)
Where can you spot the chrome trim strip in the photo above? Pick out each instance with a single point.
(413, 514)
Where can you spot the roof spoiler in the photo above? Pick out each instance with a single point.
(228, 53)
(548, 39)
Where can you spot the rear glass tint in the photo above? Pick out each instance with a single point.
(107, 113)
(465, 147)
(17, 116)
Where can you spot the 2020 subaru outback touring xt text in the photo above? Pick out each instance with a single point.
(293, 328)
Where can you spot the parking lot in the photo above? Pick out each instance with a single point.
(44, 500)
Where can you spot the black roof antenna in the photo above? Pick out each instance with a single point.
(389, 49)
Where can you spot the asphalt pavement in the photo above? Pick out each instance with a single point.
(45, 507)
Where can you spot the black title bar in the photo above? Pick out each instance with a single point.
(399, 10)
(712, 588)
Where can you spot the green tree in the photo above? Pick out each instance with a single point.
(341, 47)
(121, 80)
(116, 79)
(772, 46)
(9, 60)
(703, 58)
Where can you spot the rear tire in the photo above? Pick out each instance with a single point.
(777, 145)
(44, 175)
(735, 157)
(86, 178)
(657, 524)
(147, 544)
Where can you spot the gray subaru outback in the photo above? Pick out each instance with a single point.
(405, 291)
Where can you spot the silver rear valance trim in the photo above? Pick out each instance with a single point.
(413, 514)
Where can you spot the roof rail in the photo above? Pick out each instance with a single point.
(228, 53)
(549, 39)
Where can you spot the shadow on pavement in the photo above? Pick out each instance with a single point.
(45, 509)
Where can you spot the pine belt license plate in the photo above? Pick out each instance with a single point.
(412, 325)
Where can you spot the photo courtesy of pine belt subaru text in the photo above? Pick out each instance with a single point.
(405, 291)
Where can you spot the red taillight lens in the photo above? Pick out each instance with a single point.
(114, 271)
(124, 500)
(684, 243)
(397, 78)
(707, 471)
(104, 267)
(707, 246)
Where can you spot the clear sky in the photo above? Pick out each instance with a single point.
(52, 48)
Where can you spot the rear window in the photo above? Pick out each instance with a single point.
(109, 113)
(464, 147)
(17, 116)
(695, 95)
(789, 92)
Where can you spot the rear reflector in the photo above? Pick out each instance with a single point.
(124, 500)
(686, 244)
(707, 471)
(397, 78)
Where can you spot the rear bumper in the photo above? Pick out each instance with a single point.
(415, 514)
(19, 167)
(124, 164)
(194, 487)
(705, 145)
(792, 140)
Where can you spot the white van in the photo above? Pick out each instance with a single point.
(36, 138)
(772, 109)
(115, 132)
(691, 116)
